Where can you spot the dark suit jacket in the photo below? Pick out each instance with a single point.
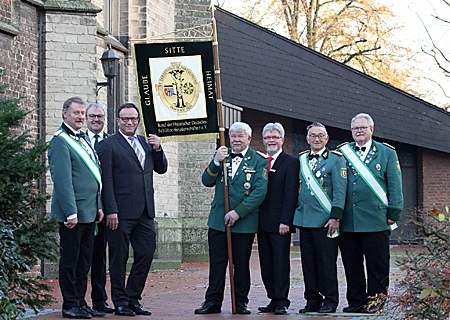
(127, 188)
(281, 200)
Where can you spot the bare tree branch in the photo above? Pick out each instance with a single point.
(360, 53)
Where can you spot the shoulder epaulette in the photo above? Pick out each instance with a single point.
(341, 145)
(303, 152)
(57, 133)
(337, 153)
(388, 145)
(261, 154)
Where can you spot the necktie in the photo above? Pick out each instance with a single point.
(313, 156)
(234, 155)
(96, 141)
(139, 154)
(269, 159)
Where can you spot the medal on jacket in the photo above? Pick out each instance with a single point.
(247, 185)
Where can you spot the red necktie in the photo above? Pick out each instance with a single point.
(269, 159)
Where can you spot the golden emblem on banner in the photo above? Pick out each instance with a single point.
(178, 88)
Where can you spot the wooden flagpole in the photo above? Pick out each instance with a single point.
(224, 162)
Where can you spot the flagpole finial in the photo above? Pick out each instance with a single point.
(212, 8)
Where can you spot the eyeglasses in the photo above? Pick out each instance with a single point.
(320, 136)
(126, 119)
(271, 138)
(360, 128)
(93, 116)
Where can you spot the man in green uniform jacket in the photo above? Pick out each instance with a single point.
(373, 205)
(77, 205)
(247, 188)
(321, 199)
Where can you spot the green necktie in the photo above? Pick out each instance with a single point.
(96, 141)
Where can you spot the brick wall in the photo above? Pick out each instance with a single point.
(5, 11)
(191, 13)
(19, 61)
(433, 178)
(143, 19)
(70, 62)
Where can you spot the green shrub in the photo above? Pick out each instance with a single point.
(26, 237)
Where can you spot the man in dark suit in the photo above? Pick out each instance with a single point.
(373, 205)
(275, 220)
(321, 198)
(95, 113)
(77, 205)
(247, 187)
(127, 163)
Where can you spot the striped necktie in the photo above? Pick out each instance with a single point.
(139, 154)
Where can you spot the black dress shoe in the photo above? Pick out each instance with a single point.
(102, 306)
(241, 308)
(281, 310)
(137, 308)
(326, 309)
(309, 309)
(124, 311)
(75, 313)
(208, 307)
(267, 309)
(92, 312)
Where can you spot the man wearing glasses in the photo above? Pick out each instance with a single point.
(95, 113)
(373, 206)
(321, 199)
(275, 220)
(246, 173)
(127, 162)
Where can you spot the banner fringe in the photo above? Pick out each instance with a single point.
(191, 137)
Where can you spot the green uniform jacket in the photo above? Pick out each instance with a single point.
(364, 212)
(246, 190)
(75, 190)
(331, 173)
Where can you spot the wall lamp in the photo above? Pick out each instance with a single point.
(110, 64)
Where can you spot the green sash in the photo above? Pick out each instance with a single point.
(83, 154)
(316, 188)
(367, 176)
(314, 185)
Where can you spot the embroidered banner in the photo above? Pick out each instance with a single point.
(176, 89)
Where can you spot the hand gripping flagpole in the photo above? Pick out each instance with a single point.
(224, 162)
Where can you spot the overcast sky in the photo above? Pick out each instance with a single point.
(415, 36)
